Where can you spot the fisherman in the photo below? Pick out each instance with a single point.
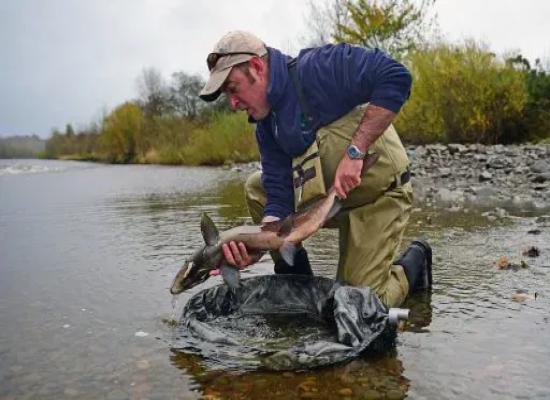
(318, 117)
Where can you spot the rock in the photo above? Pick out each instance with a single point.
(372, 394)
(345, 392)
(444, 172)
(532, 252)
(541, 177)
(446, 196)
(457, 148)
(70, 392)
(505, 263)
(521, 296)
(485, 176)
(309, 395)
(420, 151)
(534, 232)
(485, 192)
(540, 167)
(394, 394)
(480, 157)
(143, 364)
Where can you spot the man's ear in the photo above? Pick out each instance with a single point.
(257, 67)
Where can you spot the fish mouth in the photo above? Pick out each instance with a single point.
(175, 291)
(187, 282)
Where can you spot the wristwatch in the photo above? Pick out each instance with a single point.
(354, 153)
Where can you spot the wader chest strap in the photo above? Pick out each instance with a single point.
(306, 117)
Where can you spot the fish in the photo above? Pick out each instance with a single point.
(284, 235)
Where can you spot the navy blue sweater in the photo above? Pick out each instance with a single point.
(335, 79)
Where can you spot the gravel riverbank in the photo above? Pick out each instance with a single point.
(456, 175)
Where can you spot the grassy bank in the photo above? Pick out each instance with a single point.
(128, 136)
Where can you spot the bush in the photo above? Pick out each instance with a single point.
(122, 133)
(228, 137)
(463, 94)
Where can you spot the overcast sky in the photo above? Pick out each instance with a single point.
(68, 61)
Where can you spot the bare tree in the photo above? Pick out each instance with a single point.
(153, 92)
(184, 95)
(324, 16)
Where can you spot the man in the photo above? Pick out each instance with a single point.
(318, 117)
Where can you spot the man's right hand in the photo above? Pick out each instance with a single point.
(237, 254)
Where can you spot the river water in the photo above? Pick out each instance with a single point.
(88, 251)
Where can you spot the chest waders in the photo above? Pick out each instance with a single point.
(375, 213)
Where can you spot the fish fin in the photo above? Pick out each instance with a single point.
(286, 226)
(273, 226)
(210, 233)
(288, 252)
(230, 275)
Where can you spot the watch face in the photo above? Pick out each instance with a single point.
(354, 152)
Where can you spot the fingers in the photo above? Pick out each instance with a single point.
(340, 190)
(344, 184)
(236, 254)
(214, 272)
(228, 254)
(348, 176)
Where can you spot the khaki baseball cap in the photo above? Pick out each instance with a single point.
(234, 48)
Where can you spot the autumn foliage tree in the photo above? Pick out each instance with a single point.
(122, 134)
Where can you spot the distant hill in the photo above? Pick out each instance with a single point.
(21, 146)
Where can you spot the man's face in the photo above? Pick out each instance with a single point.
(248, 91)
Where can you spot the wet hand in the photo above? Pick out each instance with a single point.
(236, 254)
(348, 176)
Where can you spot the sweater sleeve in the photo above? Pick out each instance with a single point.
(276, 176)
(352, 75)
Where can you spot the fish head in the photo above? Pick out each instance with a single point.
(207, 258)
(194, 271)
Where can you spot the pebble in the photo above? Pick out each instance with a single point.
(70, 392)
(143, 364)
(345, 392)
(141, 334)
(394, 395)
(372, 394)
(532, 252)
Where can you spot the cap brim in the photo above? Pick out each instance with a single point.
(212, 90)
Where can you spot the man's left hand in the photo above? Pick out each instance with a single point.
(348, 176)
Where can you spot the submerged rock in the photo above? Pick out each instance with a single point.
(532, 252)
(505, 263)
(521, 296)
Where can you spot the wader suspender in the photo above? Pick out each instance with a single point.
(305, 120)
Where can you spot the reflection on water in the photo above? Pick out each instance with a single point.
(369, 377)
(88, 251)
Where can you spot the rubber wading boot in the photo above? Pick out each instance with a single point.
(301, 265)
(417, 264)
